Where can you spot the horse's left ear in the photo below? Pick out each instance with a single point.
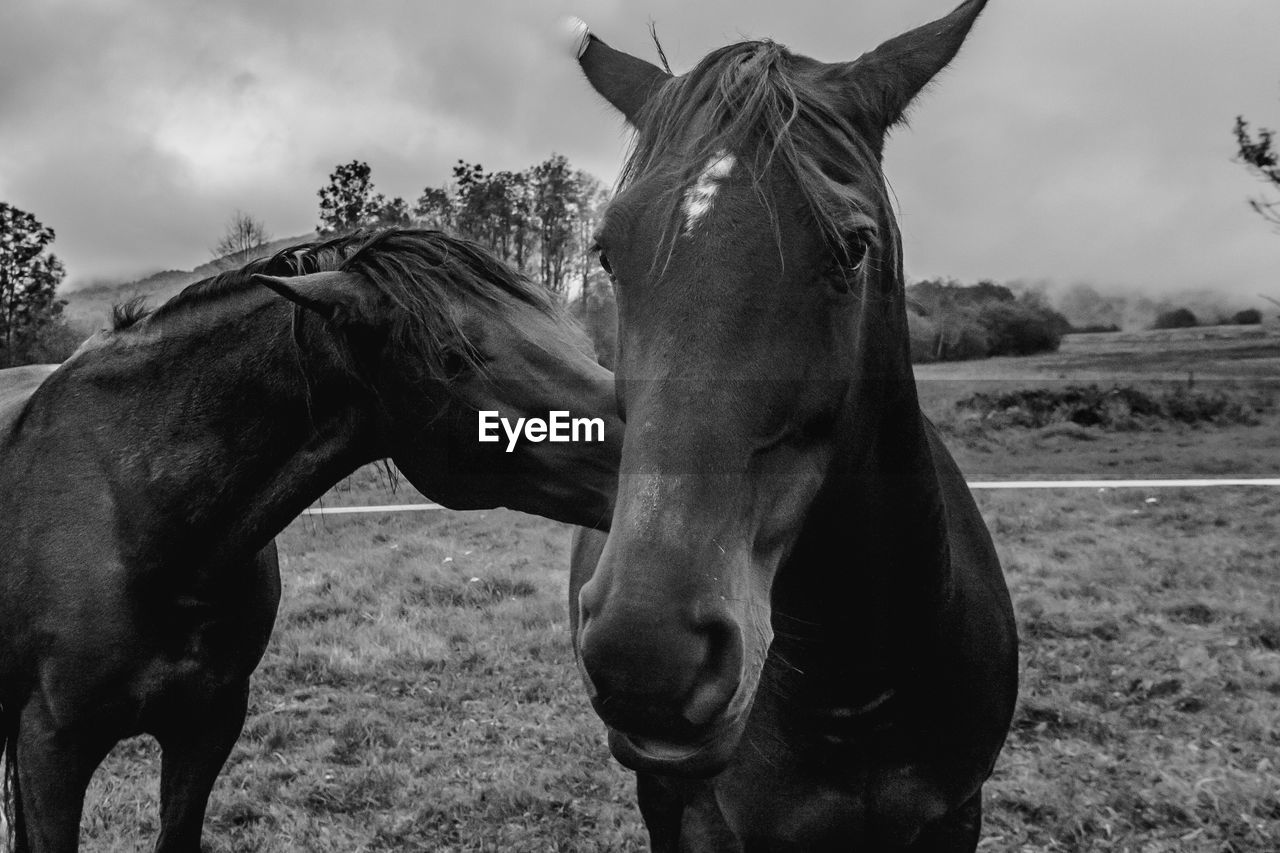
(888, 78)
(340, 298)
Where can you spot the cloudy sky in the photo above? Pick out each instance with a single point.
(1073, 140)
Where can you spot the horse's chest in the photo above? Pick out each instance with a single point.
(809, 775)
(859, 801)
(789, 807)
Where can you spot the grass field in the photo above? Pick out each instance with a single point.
(420, 694)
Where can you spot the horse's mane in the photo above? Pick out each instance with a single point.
(423, 272)
(298, 259)
(762, 103)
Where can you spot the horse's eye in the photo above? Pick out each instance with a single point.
(604, 262)
(855, 250)
(847, 260)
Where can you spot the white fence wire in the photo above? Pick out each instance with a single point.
(978, 485)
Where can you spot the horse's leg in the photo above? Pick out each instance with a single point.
(956, 832)
(53, 770)
(193, 750)
(198, 724)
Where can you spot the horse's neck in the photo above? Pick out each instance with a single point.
(872, 566)
(203, 452)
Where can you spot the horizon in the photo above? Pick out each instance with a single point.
(1083, 303)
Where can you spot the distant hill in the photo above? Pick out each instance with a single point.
(89, 307)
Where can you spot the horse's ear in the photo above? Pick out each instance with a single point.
(340, 298)
(888, 78)
(623, 80)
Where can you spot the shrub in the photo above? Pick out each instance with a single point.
(924, 338)
(1117, 407)
(1247, 317)
(1021, 328)
(961, 336)
(956, 322)
(952, 335)
(1177, 318)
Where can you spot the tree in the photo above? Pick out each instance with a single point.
(589, 210)
(520, 193)
(512, 207)
(492, 208)
(348, 202)
(29, 277)
(434, 209)
(242, 238)
(472, 204)
(392, 212)
(540, 220)
(598, 314)
(554, 190)
(1260, 157)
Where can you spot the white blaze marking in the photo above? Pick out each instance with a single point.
(577, 35)
(697, 201)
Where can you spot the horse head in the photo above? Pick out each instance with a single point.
(439, 331)
(762, 356)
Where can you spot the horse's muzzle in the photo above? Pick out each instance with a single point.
(669, 685)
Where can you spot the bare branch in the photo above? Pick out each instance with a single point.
(243, 236)
(1260, 156)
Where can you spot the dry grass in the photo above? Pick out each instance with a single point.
(1150, 702)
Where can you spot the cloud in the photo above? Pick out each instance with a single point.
(1069, 141)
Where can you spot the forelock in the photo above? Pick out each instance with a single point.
(757, 102)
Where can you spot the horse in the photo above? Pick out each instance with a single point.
(145, 478)
(797, 631)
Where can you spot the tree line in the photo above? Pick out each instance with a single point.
(539, 220)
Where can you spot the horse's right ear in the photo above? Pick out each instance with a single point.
(623, 80)
(340, 298)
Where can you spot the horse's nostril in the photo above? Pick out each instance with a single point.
(715, 686)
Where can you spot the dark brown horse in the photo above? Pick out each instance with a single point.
(797, 630)
(144, 479)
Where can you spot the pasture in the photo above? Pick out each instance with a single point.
(419, 692)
